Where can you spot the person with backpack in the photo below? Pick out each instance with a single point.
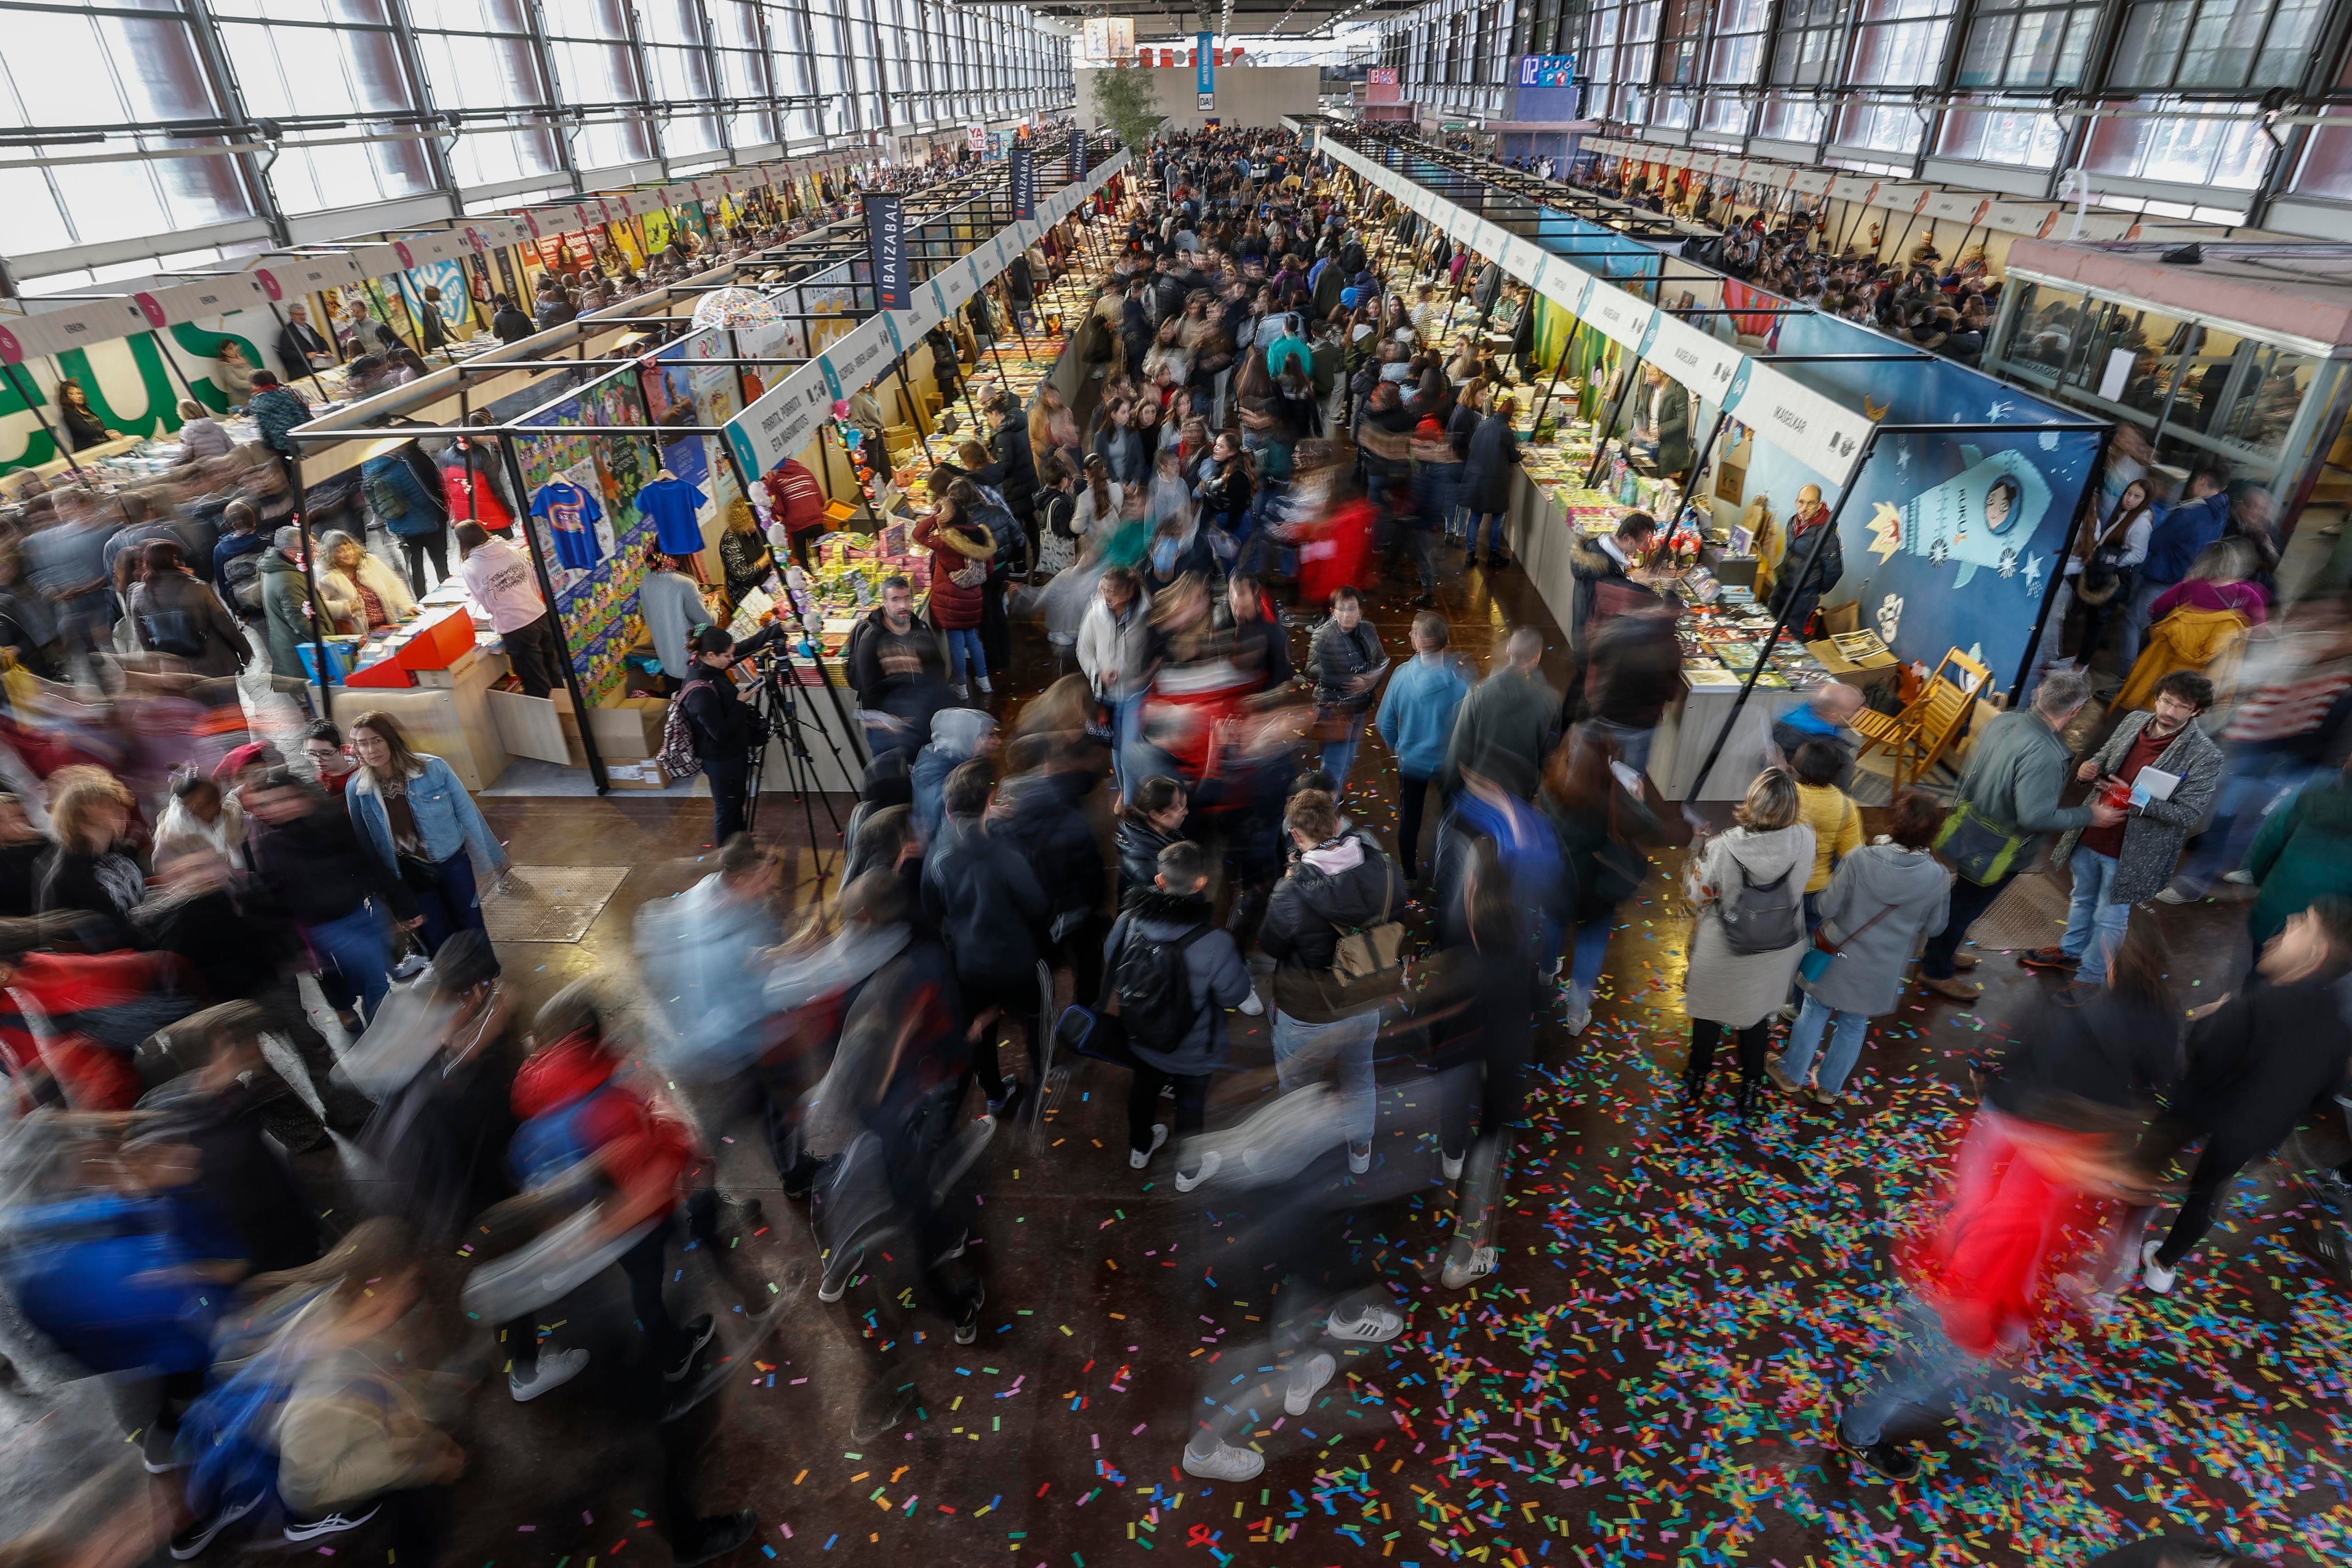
(1041, 812)
(238, 555)
(175, 614)
(1870, 917)
(985, 898)
(1172, 974)
(412, 508)
(709, 720)
(1340, 892)
(1748, 886)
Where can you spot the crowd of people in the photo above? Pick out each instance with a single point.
(1282, 408)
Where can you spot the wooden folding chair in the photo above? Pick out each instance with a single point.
(1917, 738)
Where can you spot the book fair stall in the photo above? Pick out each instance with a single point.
(1948, 496)
(635, 441)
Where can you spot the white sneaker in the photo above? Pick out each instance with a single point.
(2172, 896)
(1461, 1276)
(1358, 1164)
(1451, 1164)
(1299, 1395)
(1138, 1158)
(2155, 1274)
(1580, 1010)
(1251, 1007)
(963, 692)
(982, 682)
(1373, 1326)
(1227, 1464)
(556, 1369)
(2240, 877)
(1210, 1165)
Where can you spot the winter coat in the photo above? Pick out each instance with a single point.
(1329, 891)
(447, 820)
(1336, 657)
(954, 607)
(2304, 851)
(1912, 887)
(399, 496)
(883, 664)
(1043, 817)
(276, 410)
(1673, 413)
(1138, 845)
(1743, 988)
(283, 594)
(1828, 569)
(2261, 1062)
(2014, 774)
(1512, 710)
(179, 605)
(1213, 965)
(986, 902)
(315, 868)
(1109, 651)
(641, 1146)
(1010, 445)
(1487, 479)
(341, 591)
(353, 1426)
(1590, 565)
(957, 735)
(1634, 670)
(2155, 833)
(2183, 533)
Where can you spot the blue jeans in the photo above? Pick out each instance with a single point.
(2095, 924)
(355, 946)
(1126, 725)
(1303, 1053)
(963, 644)
(1632, 744)
(1926, 1369)
(2260, 777)
(1845, 1031)
(1591, 948)
(453, 905)
(1493, 522)
(1340, 755)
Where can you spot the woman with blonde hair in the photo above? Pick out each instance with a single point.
(2199, 624)
(743, 552)
(1748, 888)
(90, 869)
(410, 810)
(361, 591)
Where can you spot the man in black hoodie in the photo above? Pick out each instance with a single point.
(983, 897)
(311, 864)
(1040, 812)
(1341, 882)
(2255, 1067)
(1009, 444)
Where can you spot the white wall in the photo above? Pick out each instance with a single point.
(1247, 94)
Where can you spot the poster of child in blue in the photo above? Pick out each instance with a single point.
(1951, 538)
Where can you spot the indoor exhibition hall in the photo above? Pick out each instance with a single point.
(1562, 784)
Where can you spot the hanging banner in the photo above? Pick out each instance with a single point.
(1824, 435)
(1204, 69)
(1077, 156)
(886, 239)
(1024, 182)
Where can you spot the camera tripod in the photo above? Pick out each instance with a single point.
(776, 708)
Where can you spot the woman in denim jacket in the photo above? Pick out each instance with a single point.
(414, 816)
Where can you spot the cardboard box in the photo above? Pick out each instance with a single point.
(439, 641)
(629, 728)
(645, 775)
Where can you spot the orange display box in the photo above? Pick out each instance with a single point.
(438, 643)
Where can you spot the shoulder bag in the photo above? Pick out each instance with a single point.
(1823, 952)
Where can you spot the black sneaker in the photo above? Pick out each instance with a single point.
(699, 1331)
(882, 1407)
(334, 1523)
(715, 1537)
(192, 1542)
(1882, 1457)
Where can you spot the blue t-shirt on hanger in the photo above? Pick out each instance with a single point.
(672, 504)
(572, 516)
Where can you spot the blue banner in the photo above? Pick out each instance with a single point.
(1024, 182)
(886, 236)
(1205, 70)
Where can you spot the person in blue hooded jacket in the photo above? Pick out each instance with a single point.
(2173, 545)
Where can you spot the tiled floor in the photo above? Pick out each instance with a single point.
(1648, 1379)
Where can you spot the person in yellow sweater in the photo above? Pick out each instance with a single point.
(1829, 811)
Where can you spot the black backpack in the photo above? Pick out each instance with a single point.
(1764, 917)
(1154, 988)
(240, 581)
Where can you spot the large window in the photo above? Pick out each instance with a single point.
(478, 55)
(330, 60)
(1896, 44)
(2208, 45)
(2015, 45)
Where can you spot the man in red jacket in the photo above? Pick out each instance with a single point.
(577, 1114)
(2027, 1201)
(798, 502)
